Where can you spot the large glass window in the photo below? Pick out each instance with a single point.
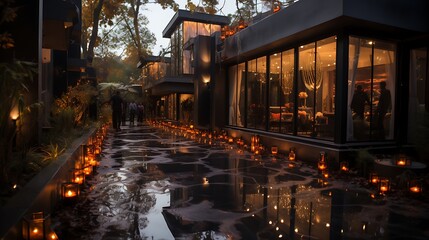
(371, 89)
(418, 100)
(256, 93)
(236, 95)
(316, 89)
(281, 92)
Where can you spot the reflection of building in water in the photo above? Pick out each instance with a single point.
(273, 205)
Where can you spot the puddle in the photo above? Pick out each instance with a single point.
(157, 185)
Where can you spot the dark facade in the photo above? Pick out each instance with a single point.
(291, 76)
(46, 33)
(182, 82)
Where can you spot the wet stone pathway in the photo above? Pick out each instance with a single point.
(155, 184)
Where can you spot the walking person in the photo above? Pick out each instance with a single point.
(140, 112)
(133, 110)
(116, 103)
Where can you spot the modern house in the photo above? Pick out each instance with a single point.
(46, 33)
(174, 80)
(291, 77)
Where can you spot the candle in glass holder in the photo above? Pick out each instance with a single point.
(373, 178)
(274, 150)
(384, 185)
(292, 154)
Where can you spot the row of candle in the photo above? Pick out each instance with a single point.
(84, 165)
(382, 184)
(37, 224)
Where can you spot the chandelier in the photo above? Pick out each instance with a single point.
(312, 72)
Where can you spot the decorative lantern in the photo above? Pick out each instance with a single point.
(274, 150)
(230, 140)
(402, 161)
(344, 166)
(415, 186)
(384, 185)
(292, 154)
(36, 226)
(78, 176)
(322, 165)
(87, 170)
(70, 190)
(374, 179)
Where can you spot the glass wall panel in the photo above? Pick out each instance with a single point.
(325, 93)
(371, 89)
(418, 95)
(189, 30)
(316, 89)
(275, 109)
(287, 93)
(309, 79)
(180, 44)
(186, 107)
(204, 29)
(256, 93)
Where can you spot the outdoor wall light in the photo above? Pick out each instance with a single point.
(206, 79)
(37, 226)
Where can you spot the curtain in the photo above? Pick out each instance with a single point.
(233, 96)
(240, 117)
(353, 68)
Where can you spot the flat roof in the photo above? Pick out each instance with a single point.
(307, 20)
(185, 15)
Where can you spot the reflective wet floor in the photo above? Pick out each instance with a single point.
(158, 184)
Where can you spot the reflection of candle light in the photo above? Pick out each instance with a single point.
(53, 236)
(415, 189)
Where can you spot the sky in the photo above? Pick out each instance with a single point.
(159, 18)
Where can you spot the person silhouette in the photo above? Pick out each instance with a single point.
(383, 107)
(358, 102)
(116, 103)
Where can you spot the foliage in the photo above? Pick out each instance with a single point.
(52, 152)
(74, 102)
(15, 79)
(7, 14)
(104, 13)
